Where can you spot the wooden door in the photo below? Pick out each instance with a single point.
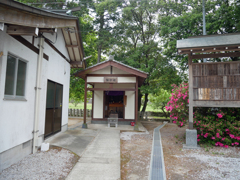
(53, 118)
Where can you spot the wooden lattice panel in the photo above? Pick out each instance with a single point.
(216, 81)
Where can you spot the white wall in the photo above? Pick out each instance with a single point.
(95, 79)
(130, 107)
(118, 71)
(129, 86)
(126, 79)
(105, 70)
(58, 70)
(103, 85)
(17, 117)
(98, 104)
(92, 79)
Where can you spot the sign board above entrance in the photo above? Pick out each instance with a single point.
(110, 79)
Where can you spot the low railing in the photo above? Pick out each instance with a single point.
(141, 115)
(79, 112)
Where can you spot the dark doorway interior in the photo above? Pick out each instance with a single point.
(114, 103)
(53, 118)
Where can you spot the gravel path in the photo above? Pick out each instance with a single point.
(222, 164)
(207, 163)
(53, 164)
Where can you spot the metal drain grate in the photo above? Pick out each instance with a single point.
(157, 169)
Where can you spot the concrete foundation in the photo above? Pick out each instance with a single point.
(191, 139)
(15, 154)
(106, 122)
(64, 127)
(84, 125)
(136, 127)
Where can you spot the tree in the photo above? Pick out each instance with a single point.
(49, 4)
(159, 100)
(136, 35)
(182, 19)
(89, 38)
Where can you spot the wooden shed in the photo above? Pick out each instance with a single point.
(212, 84)
(115, 90)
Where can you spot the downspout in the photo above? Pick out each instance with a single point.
(37, 95)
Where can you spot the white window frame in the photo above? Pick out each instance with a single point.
(14, 96)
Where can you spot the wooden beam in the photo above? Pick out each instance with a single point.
(216, 104)
(110, 89)
(54, 48)
(11, 15)
(227, 62)
(136, 101)
(29, 45)
(72, 46)
(209, 49)
(190, 91)
(112, 75)
(114, 64)
(201, 56)
(76, 63)
(92, 102)
(1, 53)
(85, 102)
(48, 30)
(22, 30)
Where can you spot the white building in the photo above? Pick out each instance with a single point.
(37, 50)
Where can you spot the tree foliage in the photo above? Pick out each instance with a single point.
(143, 34)
(159, 100)
(137, 44)
(183, 19)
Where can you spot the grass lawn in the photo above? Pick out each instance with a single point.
(89, 106)
(79, 106)
(149, 108)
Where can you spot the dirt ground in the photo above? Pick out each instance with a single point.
(206, 163)
(136, 153)
(73, 121)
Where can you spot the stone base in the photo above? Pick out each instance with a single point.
(136, 127)
(191, 147)
(84, 125)
(106, 122)
(191, 139)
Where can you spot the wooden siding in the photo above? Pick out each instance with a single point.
(216, 81)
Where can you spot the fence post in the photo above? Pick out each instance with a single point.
(139, 115)
(146, 116)
(80, 112)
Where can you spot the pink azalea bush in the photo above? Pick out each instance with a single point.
(177, 106)
(218, 128)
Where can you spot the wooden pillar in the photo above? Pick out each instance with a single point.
(136, 100)
(85, 105)
(92, 102)
(190, 91)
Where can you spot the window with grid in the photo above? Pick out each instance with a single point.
(15, 77)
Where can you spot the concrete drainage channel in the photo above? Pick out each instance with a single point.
(157, 167)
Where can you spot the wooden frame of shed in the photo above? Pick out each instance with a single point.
(26, 20)
(212, 84)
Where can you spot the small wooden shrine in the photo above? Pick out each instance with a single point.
(115, 91)
(212, 84)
